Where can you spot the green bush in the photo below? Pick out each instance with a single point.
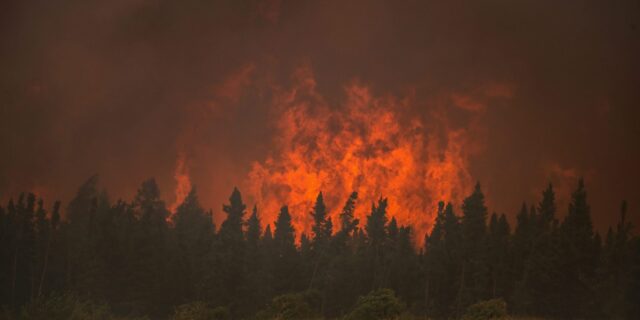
(200, 311)
(490, 309)
(66, 307)
(290, 306)
(378, 304)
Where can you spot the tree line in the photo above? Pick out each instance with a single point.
(127, 255)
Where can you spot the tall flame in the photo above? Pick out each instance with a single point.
(183, 183)
(365, 145)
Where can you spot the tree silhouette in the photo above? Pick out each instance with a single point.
(131, 256)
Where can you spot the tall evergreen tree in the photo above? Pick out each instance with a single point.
(348, 223)
(578, 256)
(149, 259)
(286, 264)
(322, 227)
(194, 232)
(254, 291)
(498, 242)
(474, 274)
(230, 252)
(376, 228)
(319, 255)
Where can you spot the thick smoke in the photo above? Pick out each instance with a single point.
(126, 88)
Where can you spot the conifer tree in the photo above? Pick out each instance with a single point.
(348, 223)
(230, 251)
(498, 242)
(474, 274)
(322, 227)
(286, 264)
(194, 232)
(254, 291)
(254, 230)
(376, 229)
(148, 261)
(578, 256)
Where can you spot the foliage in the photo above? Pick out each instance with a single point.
(290, 306)
(66, 307)
(490, 309)
(199, 310)
(378, 304)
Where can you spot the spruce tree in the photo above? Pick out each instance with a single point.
(194, 233)
(149, 259)
(578, 256)
(286, 261)
(474, 274)
(230, 252)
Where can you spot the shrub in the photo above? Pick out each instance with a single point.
(66, 306)
(490, 309)
(290, 306)
(378, 304)
(200, 311)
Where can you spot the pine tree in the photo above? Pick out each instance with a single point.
(473, 284)
(342, 274)
(348, 223)
(254, 230)
(376, 229)
(319, 254)
(149, 259)
(86, 265)
(540, 270)
(286, 264)
(522, 249)
(616, 270)
(578, 256)
(254, 292)
(442, 263)
(322, 227)
(498, 241)
(194, 233)
(230, 252)
(547, 209)
(376, 224)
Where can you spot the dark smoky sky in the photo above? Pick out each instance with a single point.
(118, 88)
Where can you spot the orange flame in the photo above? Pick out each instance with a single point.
(364, 145)
(183, 183)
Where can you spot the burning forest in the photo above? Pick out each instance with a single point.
(273, 159)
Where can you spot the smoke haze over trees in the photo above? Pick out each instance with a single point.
(122, 87)
(319, 159)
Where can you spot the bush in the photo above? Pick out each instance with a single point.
(290, 306)
(378, 304)
(66, 306)
(490, 309)
(200, 311)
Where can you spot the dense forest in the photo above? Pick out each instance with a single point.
(127, 259)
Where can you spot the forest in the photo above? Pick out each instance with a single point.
(126, 260)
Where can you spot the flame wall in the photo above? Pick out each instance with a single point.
(367, 145)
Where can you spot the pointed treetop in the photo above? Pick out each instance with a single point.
(253, 227)
(267, 233)
(236, 206)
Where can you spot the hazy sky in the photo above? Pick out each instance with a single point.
(120, 88)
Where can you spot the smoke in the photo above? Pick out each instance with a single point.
(123, 88)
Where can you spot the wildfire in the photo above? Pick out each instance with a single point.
(183, 183)
(370, 144)
(364, 145)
